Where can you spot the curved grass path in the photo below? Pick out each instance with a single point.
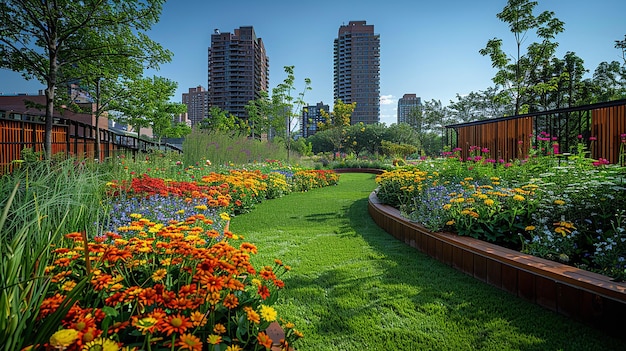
(354, 287)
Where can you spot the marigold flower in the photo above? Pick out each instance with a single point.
(214, 339)
(268, 313)
(231, 301)
(219, 329)
(450, 222)
(145, 325)
(63, 338)
(174, 324)
(264, 340)
(489, 202)
(559, 202)
(189, 342)
(518, 198)
(101, 344)
(159, 274)
(198, 319)
(529, 228)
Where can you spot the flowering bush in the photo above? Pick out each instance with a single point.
(310, 179)
(174, 286)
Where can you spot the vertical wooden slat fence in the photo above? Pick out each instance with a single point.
(600, 126)
(70, 137)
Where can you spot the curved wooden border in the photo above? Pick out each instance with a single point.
(572, 292)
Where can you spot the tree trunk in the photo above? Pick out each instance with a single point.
(47, 146)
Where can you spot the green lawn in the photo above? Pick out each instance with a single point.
(354, 287)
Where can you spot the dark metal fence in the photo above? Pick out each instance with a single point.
(600, 127)
(73, 138)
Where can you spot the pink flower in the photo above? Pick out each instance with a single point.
(485, 150)
(601, 161)
(580, 136)
(520, 142)
(593, 138)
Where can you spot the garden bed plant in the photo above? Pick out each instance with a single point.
(568, 210)
(148, 264)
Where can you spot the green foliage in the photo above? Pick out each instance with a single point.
(95, 32)
(38, 206)
(514, 69)
(147, 104)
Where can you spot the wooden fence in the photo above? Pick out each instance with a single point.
(70, 137)
(599, 126)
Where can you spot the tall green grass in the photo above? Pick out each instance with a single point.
(223, 148)
(40, 202)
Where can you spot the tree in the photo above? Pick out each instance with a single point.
(513, 72)
(218, 121)
(621, 44)
(41, 39)
(288, 108)
(335, 123)
(147, 104)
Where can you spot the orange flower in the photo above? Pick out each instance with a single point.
(231, 301)
(198, 319)
(174, 324)
(219, 328)
(264, 340)
(253, 316)
(214, 339)
(264, 292)
(189, 342)
(212, 283)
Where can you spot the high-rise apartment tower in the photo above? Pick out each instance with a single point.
(197, 101)
(357, 70)
(238, 70)
(406, 106)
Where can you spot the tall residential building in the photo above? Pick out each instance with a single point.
(406, 104)
(311, 116)
(357, 70)
(197, 101)
(238, 70)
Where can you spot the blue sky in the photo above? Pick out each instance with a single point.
(429, 48)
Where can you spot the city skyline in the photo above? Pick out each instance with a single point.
(427, 49)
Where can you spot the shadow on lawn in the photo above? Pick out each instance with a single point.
(405, 296)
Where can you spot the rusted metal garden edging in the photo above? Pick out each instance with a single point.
(581, 295)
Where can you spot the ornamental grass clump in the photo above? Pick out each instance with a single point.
(173, 286)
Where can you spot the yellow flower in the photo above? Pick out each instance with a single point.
(201, 207)
(450, 222)
(268, 313)
(559, 202)
(180, 212)
(447, 207)
(135, 215)
(214, 339)
(489, 202)
(225, 216)
(63, 338)
(234, 348)
(159, 274)
(519, 198)
(529, 228)
(101, 344)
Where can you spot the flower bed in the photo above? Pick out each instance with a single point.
(576, 293)
(167, 273)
